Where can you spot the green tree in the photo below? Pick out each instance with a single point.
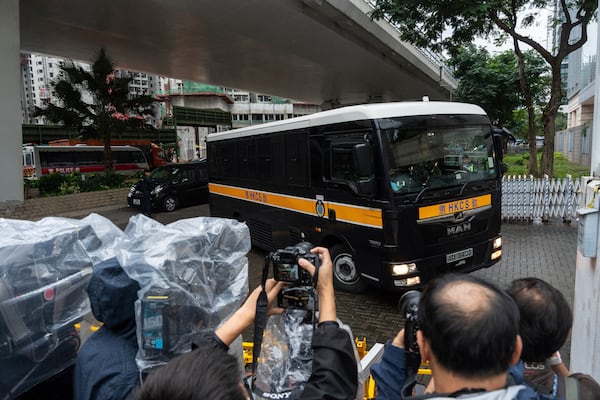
(490, 82)
(494, 82)
(561, 121)
(111, 109)
(423, 22)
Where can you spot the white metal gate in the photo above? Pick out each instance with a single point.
(525, 199)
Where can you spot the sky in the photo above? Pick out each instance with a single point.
(537, 32)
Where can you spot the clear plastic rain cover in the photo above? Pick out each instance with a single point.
(44, 270)
(193, 275)
(286, 355)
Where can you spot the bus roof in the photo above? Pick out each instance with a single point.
(353, 113)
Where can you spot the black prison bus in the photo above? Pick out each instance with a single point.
(398, 192)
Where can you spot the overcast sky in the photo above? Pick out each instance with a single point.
(537, 32)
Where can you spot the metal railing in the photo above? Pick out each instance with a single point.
(527, 199)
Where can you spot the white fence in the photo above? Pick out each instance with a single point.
(525, 199)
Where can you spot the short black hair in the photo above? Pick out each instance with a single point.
(204, 373)
(472, 337)
(546, 317)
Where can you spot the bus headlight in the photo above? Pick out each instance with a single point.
(415, 280)
(497, 254)
(403, 269)
(497, 243)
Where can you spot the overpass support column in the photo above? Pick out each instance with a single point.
(11, 165)
(585, 339)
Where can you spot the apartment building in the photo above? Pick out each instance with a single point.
(575, 142)
(181, 104)
(246, 108)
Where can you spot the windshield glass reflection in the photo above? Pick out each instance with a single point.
(439, 157)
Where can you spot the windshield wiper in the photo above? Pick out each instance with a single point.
(477, 185)
(425, 184)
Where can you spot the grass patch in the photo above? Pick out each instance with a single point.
(517, 165)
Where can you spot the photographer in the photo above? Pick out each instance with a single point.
(545, 325)
(194, 375)
(105, 367)
(468, 331)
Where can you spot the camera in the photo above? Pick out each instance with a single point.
(299, 291)
(409, 307)
(169, 323)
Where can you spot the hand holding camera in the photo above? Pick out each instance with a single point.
(295, 265)
(324, 283)
(299, 291)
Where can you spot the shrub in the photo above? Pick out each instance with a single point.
(32, 183)
(68, 188)
(57, 184)
(50, 184)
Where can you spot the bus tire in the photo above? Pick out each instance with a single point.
(170, 203)
(346, 276)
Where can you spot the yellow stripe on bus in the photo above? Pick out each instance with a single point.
(359, 215)
(343, 212)
(453, 207)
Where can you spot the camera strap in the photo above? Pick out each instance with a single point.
(260, 320)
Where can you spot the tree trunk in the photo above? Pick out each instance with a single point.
(528, 103)
(548, 117)
(108, 159)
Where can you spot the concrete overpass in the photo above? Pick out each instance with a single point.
(325, 52)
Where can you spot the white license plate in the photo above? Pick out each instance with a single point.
(136, 202)
(459, 255)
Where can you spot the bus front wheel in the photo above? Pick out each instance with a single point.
(345, 272)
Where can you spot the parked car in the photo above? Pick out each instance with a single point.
(172, 186)
(521, 142)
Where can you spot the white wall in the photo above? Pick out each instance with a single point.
(585, 342)
(11, 157)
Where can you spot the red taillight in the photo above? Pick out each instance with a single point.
(49, 294)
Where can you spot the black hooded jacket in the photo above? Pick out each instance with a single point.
(106, 367)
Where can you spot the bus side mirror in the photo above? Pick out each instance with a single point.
(363, 162)
(500, 136)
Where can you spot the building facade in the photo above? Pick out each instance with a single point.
(242, 107)
(575, 142)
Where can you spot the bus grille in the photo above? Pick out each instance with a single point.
(261, 233)
(294, 236)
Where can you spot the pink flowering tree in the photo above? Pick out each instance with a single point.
(97, 103)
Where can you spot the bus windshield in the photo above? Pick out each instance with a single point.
(438, 157)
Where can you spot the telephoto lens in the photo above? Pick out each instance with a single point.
(409, 303)
(409, 307)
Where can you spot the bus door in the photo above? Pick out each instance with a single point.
(351, 207)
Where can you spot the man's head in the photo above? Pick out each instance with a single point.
(204, 373)
(469, 326)
(546, 317)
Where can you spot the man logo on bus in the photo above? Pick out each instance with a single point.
(320, 208)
